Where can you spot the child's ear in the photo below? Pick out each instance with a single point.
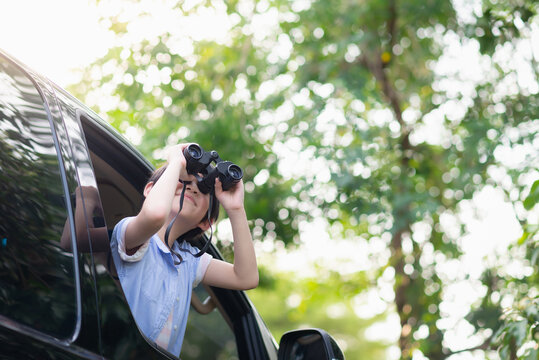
(204, 224)
(147, 189)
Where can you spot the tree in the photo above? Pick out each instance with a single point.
(400, 132)
(370, 70)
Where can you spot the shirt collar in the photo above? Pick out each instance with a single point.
(161, 245)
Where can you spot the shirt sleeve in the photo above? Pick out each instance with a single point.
(203, 264)
(139, 254)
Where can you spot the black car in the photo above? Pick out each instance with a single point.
(67, 178)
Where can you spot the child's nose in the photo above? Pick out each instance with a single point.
(193, 187)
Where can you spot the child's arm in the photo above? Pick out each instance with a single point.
(158, 203)
(243, 274)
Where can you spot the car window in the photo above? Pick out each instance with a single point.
(208, 335)
(120, 336)
(37, 277)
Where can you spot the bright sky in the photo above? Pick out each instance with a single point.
(55, 36)
(52, 36)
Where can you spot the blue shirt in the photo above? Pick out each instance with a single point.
(154, 286)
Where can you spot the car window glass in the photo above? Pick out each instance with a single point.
(37, 285)
(208, 336)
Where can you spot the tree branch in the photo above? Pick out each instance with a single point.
(392, 23)
(376, 67)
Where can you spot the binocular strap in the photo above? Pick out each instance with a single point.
(169, 227)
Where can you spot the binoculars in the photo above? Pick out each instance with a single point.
(199, 164)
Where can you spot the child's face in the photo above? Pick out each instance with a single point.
(195, 204)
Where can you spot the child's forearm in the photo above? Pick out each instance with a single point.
(155, 209)
(245, 266)
(158, 202)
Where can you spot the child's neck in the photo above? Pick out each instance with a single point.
(175, 232)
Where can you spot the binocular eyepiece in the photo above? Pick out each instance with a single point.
(199, 164)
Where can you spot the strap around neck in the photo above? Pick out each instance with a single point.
(169, 227)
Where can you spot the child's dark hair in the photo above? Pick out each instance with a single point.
(194, 236)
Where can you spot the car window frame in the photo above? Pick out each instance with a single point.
(12, 323)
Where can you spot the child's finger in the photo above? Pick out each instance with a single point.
(218, 186)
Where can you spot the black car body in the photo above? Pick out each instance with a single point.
(67, 179)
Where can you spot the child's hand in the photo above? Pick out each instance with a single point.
(175, 154)
(232, 199)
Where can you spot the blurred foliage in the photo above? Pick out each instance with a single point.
(287, 302)
(518, 335)
(397, 143)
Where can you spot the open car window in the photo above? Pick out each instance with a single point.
(121, 178)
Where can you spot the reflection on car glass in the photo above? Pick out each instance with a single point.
(36, 273)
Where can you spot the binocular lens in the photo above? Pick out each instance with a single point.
(194, 151)
(235, 172)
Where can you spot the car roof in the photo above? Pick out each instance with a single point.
(93, 119)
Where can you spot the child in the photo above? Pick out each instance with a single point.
(157, 282)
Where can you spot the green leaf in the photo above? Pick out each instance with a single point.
(535, 256)
(517, 331)
(532, 354)
(523, 238)
(533, 197)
